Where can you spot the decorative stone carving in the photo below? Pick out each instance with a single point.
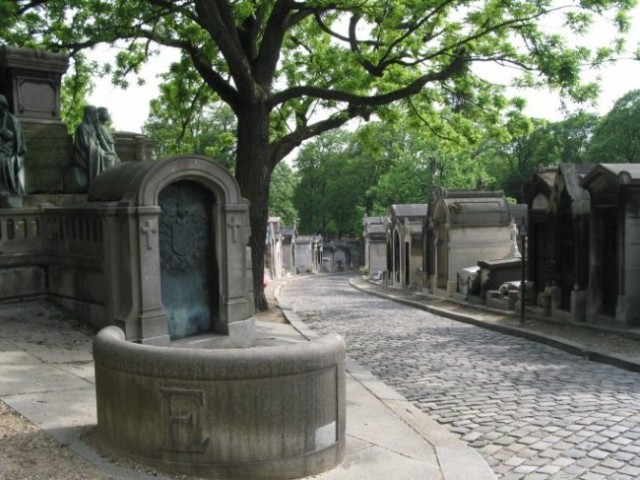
(12, 152)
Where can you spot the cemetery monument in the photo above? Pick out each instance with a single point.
(154, 253)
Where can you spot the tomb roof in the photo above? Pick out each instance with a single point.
(541, 180)
(31, 59)
(138, 183)
(569, 179)
(612, 176)
(379, 220)
(410, 210)
(484, 210)
(375, 225)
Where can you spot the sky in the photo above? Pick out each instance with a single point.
(129, 108)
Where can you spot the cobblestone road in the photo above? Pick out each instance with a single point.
(534, 412)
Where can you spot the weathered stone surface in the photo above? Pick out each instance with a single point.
(261, 413)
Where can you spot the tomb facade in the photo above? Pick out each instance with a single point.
(375, 245)
(273, 251)
(463, 227)
(289, 235)
(614, 259)
(176, 257)
(308, 250)
(558, 240)
(405, 245)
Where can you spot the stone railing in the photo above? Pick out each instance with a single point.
(54, 252)
(20, 230)
(73, 231)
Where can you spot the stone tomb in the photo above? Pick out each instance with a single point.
(178, 262)
(273, 249)
(464, 226)
(308, 253)
(614, 258)
(558, 232)
(289, 235)
(405, 245)
(375, 245)
(32, 80)
(179, 397)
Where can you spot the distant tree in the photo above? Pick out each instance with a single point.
(316, 163)
(283, 185)
(569, 139)
(616, 139)
(510, 160)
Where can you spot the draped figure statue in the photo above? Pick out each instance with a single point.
(12, 152)
(93, 148)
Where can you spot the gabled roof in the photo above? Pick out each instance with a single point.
(569, 180)
(540, 182)
(615, 173)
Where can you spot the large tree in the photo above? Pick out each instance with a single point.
(276, 63)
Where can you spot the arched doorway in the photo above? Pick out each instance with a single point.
(188, 263)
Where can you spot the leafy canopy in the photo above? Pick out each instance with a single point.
(346, 57)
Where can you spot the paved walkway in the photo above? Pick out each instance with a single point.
(534, 412)
(46, 374)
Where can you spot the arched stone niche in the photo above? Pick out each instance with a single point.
(176, 244)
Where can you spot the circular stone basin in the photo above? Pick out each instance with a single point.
(256, 413)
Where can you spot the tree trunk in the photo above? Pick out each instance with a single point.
(253, 173)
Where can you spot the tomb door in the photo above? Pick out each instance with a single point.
(540, 255)
(609, 256)
(396, 257)
(407, 263)
(442, 257)
(187, 258)
(564, 264)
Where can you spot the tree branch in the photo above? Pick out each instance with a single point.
(274, 33)
(281, 147)
(216, 17)
(455, 68)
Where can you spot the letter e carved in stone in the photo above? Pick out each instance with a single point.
(183, 426)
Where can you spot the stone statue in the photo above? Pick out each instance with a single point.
(515, 251)
(105, 139)
(12, 152)
(93, 148)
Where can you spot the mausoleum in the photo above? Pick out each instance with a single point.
(375, 245)
(404, 245)
(614, 260)
(464, 227)
(558, 245)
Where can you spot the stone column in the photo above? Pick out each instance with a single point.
(152, 317)
(236, 309)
